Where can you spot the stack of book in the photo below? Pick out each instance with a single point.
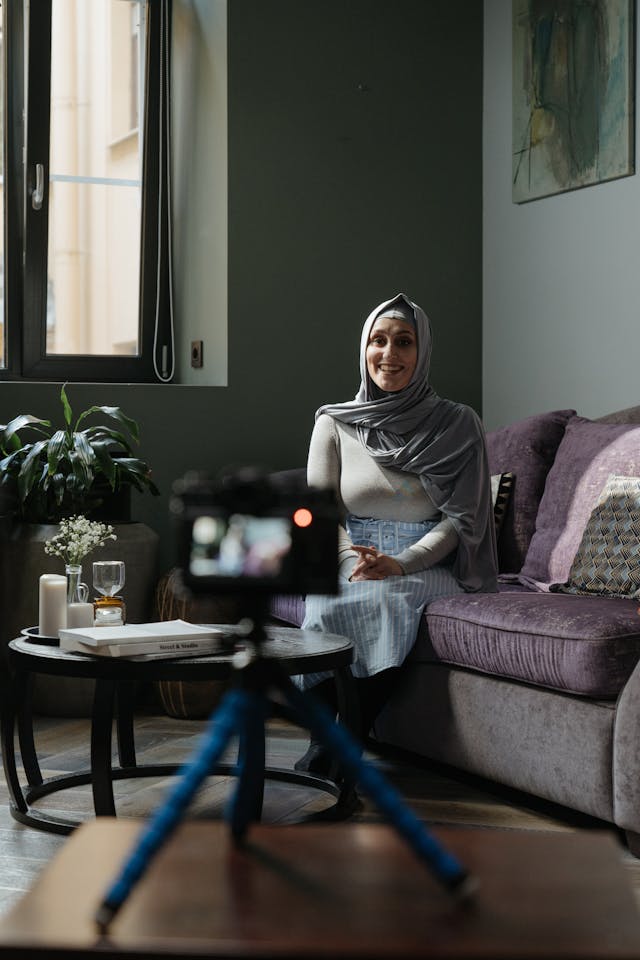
(145, 641)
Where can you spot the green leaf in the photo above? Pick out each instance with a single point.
(83, 448)
(116, 414)
(68, 415)
(105, 461)
(12, 462)
(72, 484)
(58, 486)
(116, 438)
(81, 469)
(8, 431)
(137, 472)
(30, 469)
(56, 449)
(11, 443)
(82, 459)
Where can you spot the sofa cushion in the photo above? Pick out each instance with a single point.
(583, 645)
(608, 561)
(526, 449)
(590, 451)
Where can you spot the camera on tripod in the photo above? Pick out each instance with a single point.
(254, 533)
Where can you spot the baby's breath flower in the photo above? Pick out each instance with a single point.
(77, 538)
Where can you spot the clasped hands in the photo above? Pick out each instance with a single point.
(372, 565)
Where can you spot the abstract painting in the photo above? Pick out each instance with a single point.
(573, 94)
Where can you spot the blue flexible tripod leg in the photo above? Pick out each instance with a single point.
(243, 710)
(317, 718)
(246, 802)
(227, 720)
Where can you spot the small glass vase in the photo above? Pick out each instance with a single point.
(77, 591)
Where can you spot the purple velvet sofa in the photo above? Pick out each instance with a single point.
(532, 688)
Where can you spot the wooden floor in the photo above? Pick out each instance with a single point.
(438, 795)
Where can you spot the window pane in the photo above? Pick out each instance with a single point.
(93, 239)
(95, 188)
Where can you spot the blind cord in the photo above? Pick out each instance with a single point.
(163, 372)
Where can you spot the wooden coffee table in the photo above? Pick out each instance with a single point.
(346, 890)
(298, 651)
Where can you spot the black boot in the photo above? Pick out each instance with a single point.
(317, 759)
(373, 693)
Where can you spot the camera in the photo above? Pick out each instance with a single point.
(255, 533)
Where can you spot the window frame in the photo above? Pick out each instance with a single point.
(28, 62)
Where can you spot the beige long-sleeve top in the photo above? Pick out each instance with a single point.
(338, 461)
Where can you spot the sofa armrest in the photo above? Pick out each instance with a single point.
(626, 755)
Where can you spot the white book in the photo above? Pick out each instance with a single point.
(133, 633)
(145, 649)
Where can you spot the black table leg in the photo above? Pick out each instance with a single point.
(101, 769)
(8, 724)
(23, 688)
(126, 694)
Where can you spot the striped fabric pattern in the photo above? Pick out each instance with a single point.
(381, 617)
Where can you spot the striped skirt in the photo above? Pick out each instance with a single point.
(381, 617)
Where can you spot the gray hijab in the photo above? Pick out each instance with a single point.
(440, 441)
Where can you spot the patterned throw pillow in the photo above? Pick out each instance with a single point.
(608, 559)
(501, 486)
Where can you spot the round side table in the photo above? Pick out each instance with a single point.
(298, 652)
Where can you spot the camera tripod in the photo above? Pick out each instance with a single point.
(243, 712)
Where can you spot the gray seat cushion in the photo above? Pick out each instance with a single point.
(584, 645)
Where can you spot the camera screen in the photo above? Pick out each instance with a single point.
(240, 545)
(256, 536)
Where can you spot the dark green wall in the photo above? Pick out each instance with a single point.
(355, 134)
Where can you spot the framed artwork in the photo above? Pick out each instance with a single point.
(573, 94)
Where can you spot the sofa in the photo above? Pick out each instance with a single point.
(537, 686)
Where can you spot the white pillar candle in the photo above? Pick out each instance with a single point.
(52, 607)
(80, 615)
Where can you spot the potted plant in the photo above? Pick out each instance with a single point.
(60, 472)
(80, 469)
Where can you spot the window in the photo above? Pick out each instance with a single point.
(94, 303)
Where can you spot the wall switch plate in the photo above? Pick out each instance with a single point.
(196, 353)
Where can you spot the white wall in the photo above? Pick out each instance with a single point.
(561, 275)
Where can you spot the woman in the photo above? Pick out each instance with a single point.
(411, 474)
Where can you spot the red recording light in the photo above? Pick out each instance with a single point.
(302, 517)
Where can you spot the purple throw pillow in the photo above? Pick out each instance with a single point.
(590, 452)
(526, 449)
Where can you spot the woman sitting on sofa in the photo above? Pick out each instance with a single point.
(410, 470)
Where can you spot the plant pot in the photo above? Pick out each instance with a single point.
(115, 506)
(23, 560)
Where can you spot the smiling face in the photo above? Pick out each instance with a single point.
(392, 354)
